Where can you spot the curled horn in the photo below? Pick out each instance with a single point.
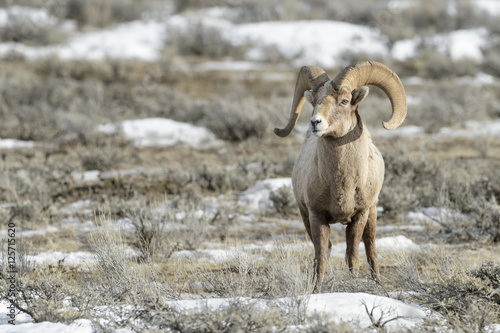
(309, 78)
(379, 75)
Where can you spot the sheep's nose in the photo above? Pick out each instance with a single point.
(316, 121)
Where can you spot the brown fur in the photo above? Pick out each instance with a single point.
(337, 179)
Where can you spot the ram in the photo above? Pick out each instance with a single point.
(339, 172)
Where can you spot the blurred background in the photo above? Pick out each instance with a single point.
(157, 45)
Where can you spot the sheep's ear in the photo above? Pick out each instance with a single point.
(359, 94)
(309, 96)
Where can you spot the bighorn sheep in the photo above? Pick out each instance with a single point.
(339, 172)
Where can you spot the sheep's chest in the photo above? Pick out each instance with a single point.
(338, 206)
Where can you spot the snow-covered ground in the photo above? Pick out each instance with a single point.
(144, 40)
(24, 324)
(341, 307)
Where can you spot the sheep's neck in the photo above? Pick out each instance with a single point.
(340, 154)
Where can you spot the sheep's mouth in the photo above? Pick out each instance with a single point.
(318, 133)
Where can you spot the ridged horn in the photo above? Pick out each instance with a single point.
(379, 75)
(309, 78)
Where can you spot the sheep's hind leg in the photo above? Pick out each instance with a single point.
(369, 240)
(320, 233)
(353, 233)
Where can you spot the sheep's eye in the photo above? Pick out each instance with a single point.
(344, 102)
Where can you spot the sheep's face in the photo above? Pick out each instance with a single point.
(334, 113)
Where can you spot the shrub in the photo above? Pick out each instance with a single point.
(21, 32)
(436, 65)
(491, 63)
(450, 105)
(238, 120)
(22, 27)
(122, 280)
(102, 158)
(45, 298)
(411, 181)
(416, 180)
(462, 295)
(181, 5)
(43, 110)
(286, 272)
(162, 230)
(204, 40)
(29, 190)
(490, 273)
(42, 292)
(102, 14)
(237, 317)
(425, 18)
(283, 201)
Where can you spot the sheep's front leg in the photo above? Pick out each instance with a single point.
(353, 233)
(369, 240)
(320, 234)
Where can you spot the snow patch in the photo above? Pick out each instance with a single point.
(309, 41)
(493, 328)
(21, 318)
(31, 233)
(350, 307)
(410, 131)
(459, 44)
(78, 326)
(491, 7)
(86, 176)
(138, 39)
(341, 307)
(228, 66)
(473, 129)
(144, 40)
(162, 132)
(77, 206)
(396, 243)
(96, 175)
(435, 216)
(393, 244)
(13, 144)
(71, 259)
(478, 79)
(36, 17)
(257, 198)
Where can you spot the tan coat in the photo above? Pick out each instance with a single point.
(339, 172)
